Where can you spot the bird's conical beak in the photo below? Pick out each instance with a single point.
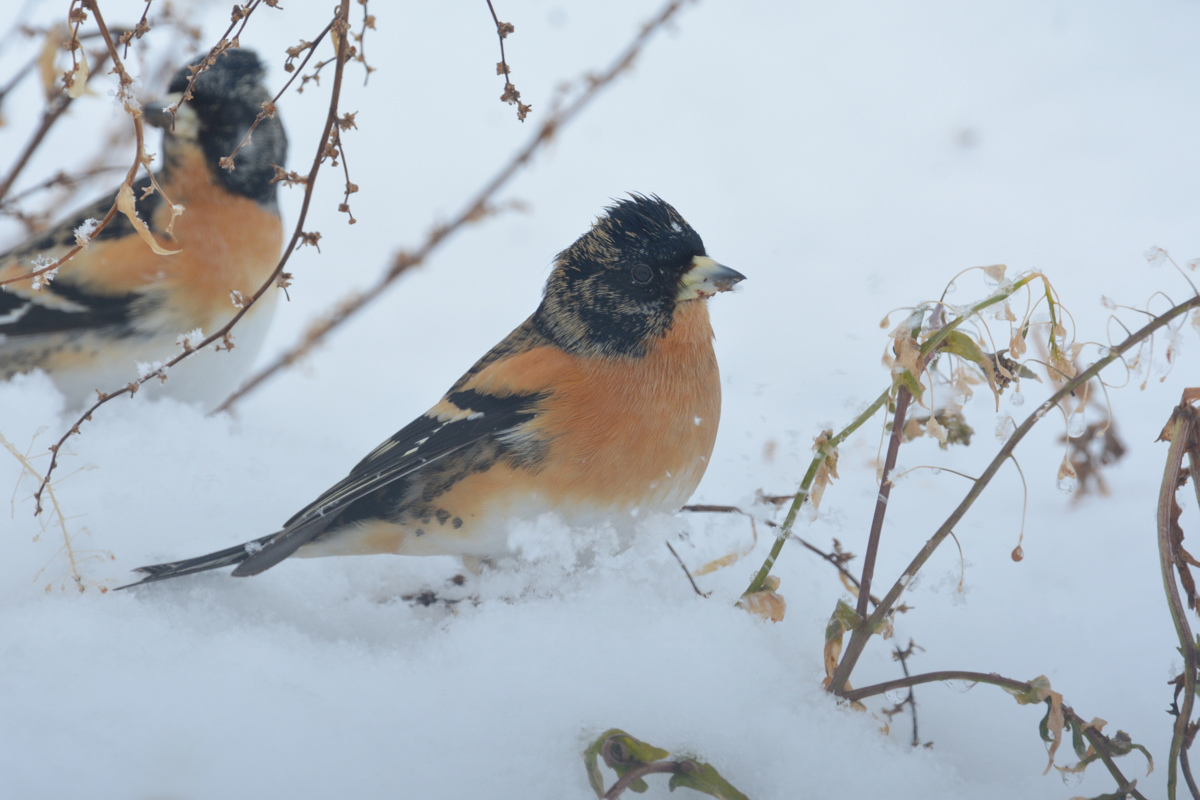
(187, 124)
(705, 278)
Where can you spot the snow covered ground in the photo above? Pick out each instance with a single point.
(850, 159)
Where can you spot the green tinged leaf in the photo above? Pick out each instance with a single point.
(1036, 694)
(639, 751)
(1078, 742)
(623, 753)
(704, 778)
(843, 620)
(909, 381)
(1025, 372)
(591, 760)
(963, 346)
(1044, 726)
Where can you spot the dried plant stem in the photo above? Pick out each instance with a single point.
(1181, 432)
(624, 782)
(859, 637)
(832, 558)
(927, 348)
(1187, 773)
(139, 135)
(49, 117)
(475, 209)
(67, 547)
(1094, 737)
(341, 17)
(785, 530)
(903, 396)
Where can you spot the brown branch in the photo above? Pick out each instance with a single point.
(49, 117)
(511, 95)
(885, 490)
(269, 108)
(641, 771)
(1098, 741)
(124, 81)
(298, 235)
(476, 208)
(834, 559)
(60, 178)
(1181, 432)
(1187, 774)
(857, 695)
(240, 14)
(687, 572)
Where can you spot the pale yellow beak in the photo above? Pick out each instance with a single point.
(705, 278)
(187, 124)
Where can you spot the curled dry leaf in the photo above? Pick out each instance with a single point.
(933, 428)
(995, 272)
(733, 557)
(1055, 721)
(766, 603)
(908, 353)
(77, 83)
(827, 470)
(47, 59)
(127, 206)
(1066, 470)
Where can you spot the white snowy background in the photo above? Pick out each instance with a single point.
(850, 159)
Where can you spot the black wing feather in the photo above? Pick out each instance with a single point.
(424, 441)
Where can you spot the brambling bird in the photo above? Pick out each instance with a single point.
(602, 404)
(117, 302)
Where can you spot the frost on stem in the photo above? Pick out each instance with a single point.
(83, 234)
(43, 278)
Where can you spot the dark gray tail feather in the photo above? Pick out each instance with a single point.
(221, 558)
(277, 547)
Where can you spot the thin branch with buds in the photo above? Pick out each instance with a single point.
(477, 208)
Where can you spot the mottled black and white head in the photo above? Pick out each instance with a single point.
(225, 100)
(618, 286)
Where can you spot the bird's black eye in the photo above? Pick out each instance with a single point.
(641, 273)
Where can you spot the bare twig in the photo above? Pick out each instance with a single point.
(50, 116)
(298, 235)
(837, 560)
(687, 572)
(1098, 741)
(511, 95)
(476, 208)
(903, 396)
(640, 771)
(139, 160)
(1181, 432)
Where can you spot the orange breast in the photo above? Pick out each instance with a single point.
(227, 243)
(637, 432)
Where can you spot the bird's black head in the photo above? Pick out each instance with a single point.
(617, 287)
(225, 100)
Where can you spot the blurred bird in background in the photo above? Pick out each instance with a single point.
(117, 303)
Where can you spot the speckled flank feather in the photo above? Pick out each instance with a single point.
(604, 403)
(117, 302)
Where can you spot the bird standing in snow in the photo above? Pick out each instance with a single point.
(117, 302)
(602, 404)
